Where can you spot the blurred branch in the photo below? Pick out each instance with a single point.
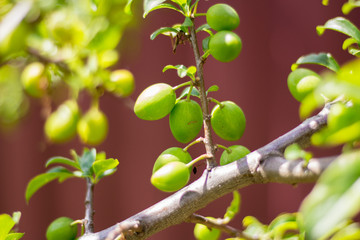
(13, 18)
(89, 209)
(266, 164)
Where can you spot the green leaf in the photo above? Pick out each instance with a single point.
(182, 71)
(127, 8)
(101, 166)
(335, 198)
(349, 6)
(185, 92)
(86, 161)
(151, 5)
(14, 236)
(342, 25)
(40, 180)
(62, 160)
(323, 59)
(233, 209)
(165, 31)
(187, 22)
(254, 228)
(205, 44)
(205, 28)
(348, 42)
(6, 223)
(213, 88)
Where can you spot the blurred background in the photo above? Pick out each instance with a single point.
(274, 34)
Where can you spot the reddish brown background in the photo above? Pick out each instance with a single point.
(274, 34)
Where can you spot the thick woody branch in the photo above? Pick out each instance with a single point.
(261, 166)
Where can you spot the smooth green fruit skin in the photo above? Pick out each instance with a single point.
(225, 46)
(93, 127)
(350, 72)
(171, 155)
(34, 80)
(228, 122)
(202, 232)
(237, 152)
(186, 120)
(61, 125)
(171, 177)
(222, 17)
(155, 102)
(60, 229)
(121, 83)
(301, 82)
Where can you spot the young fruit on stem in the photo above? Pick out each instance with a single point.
(155, 102)
(225, 46)
(61, 229)
(222, 17)
(233, 153)
(60, 126)
(34, 79)
(186, 120)
(174, 154)
(228, 121)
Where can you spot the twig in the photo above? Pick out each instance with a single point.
(208, 141)
(89, 210)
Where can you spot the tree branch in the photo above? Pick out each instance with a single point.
(261, 166)
(89, 210)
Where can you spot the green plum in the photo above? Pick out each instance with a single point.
(222, 17)
(34, 79)
(225, 46)
(186, 120)
(93, 127)
(301, 82)
(61, 229)
(236, 152)
(171, 155)
(202, 232)
(228, 121)
(155, 102)
(60, 126)
(121, 83)
(171, 177)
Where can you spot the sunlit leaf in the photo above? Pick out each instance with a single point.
(151, 5)
(62, 160)
(101, 166)
(349, 6)
(6, 223)
(323, 59)
(254, 228)
(185, 92)
(335, 197)
(42, 179)
(213, 88)
(14, 236)
(342, 25)
(165, 31)
(187, 22)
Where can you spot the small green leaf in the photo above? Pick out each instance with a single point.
(165, 31)
(101, 166)
(325, 2)
(233, 209)
(40, 180)
(348, 42)
(187, 22)
(254, 228)
(62, 160)
(86, 161)
(6, 223)
(349, 6)
(335, 197)
(213, 88)
(205, 44)
(185, 92)
(182, 71)
(323, 59)
(342, 25)
(205, 28)
(14, 236)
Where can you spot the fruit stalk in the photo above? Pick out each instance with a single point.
(208, 141)
(89, 210)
